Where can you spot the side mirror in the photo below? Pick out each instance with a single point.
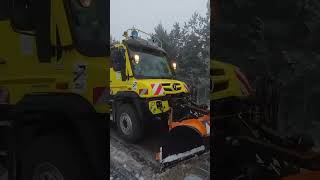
(41, 16)
(123, 74)
(116, 65)
(122, 59)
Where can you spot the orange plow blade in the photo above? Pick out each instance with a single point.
(314, 175)
(184, 140)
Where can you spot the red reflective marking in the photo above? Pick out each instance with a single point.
(4, 96)
(244, 80)
(97, 92)
(158, 90)
(143, 91)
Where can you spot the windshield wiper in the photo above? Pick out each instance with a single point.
(155, 77)
(166, 77)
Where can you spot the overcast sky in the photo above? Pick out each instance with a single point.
(146, 14)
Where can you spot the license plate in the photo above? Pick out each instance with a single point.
(157, 106)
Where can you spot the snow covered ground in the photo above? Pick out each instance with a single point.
(130, 161)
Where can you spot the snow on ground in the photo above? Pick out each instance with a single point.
(128, 161)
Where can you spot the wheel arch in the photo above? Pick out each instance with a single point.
(132, 99)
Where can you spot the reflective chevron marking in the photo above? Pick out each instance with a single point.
(143, 91)
(186, 87)
(157, 89)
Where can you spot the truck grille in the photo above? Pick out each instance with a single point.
(169, 86)
(220, 86)
(217, 72)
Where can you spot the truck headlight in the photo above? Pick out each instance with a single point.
(136, 58)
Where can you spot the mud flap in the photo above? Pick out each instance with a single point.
(180, 143)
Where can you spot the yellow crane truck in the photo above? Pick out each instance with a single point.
(53, 67)
(143, 89)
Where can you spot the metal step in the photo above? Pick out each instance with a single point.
(3, 173)
(3, 153)
(111, 115)
(5, 123)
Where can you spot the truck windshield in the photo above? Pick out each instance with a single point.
(89, 21)
(150, 64)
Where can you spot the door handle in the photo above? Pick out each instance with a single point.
(3, 61)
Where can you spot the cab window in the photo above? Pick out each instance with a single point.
(88, 21)
(22, 15)
(4, 9)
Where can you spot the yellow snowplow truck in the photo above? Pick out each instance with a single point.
(144, 89)
(227, 81)
(229, 88)
(53, 68)
(238, 127)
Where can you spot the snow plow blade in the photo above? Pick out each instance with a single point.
(313, 175)
(184, 140)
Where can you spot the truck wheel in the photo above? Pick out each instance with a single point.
(128, 124)
(54, 158)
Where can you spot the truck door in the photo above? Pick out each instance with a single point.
(25, 47)
(4, 16)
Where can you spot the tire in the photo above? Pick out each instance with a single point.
(128, 124)
(54, 157)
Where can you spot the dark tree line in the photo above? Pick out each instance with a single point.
(189, 46)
